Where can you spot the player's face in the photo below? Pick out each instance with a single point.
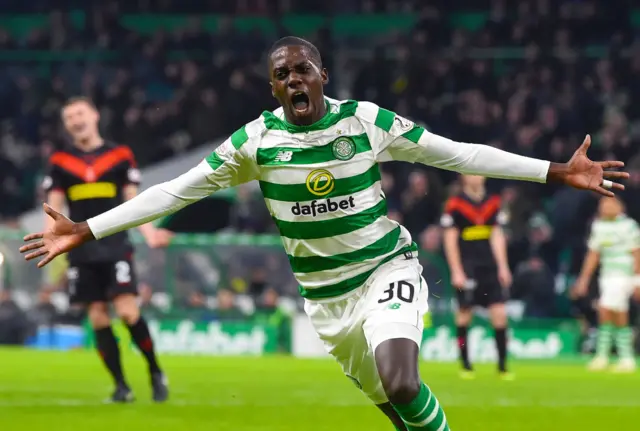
(297, 81)
(610, 208)
(474, 181)
(80, 120)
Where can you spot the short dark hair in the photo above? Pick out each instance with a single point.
(79, 99)
(297, 41)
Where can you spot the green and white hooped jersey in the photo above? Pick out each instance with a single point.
(615, 240)
(321, 184)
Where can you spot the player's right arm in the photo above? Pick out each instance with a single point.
(451, 238)
(589, 264)
(231, 164)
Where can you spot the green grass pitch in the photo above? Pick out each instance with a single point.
(63, 391)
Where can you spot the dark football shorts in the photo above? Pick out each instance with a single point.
(483, 289)
(101, 282)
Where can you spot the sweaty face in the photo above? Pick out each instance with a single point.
(80, 120)
(610, 208)
(296, 81)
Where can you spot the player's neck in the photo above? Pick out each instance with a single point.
(311, 119)
(89, 144)
(475, 194)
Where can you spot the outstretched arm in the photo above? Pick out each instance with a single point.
(228, 166)
(155, 202)
(580, 172)
(396, 138)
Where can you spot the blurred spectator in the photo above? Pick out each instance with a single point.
(421, 203)
(534, 284)
(227, 308)
(14, 325)
(269, 312)
(44, 313)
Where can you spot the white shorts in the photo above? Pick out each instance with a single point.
(391, 304)
(616, 292)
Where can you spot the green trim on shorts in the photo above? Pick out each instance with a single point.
(353, 283)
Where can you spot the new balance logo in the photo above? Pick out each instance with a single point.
(284, 156)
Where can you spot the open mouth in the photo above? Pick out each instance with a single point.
(300, 101)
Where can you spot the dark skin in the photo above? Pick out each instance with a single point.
(295, 73)
(293, 69)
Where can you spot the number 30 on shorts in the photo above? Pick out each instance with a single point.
(403, 290)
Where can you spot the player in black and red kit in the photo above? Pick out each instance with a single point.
(90, 177)
(476, 251)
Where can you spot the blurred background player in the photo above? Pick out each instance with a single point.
(91, 176)
(614, 244)
(476, 252)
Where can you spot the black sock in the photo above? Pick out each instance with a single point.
(462, 332)
(108, 348)
(142, 337)
(501, 345)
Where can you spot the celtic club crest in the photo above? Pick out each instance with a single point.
(343, 148)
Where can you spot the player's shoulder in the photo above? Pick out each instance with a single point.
(256, 128)
(451, 206)
(382, 118)
(494, 199)
(64, 154)
(123, 151)
(455, 199)
(246, 137)
(627, 221)
(369, 111)
(599, 224)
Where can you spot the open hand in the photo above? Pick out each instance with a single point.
(582, 173)
(64, 235)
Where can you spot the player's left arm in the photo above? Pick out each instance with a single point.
(498, 243)
(396, 138)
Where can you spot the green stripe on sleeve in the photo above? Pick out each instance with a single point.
(414, 134)
(239, 137)
(306, 156)
(384, 119)
(214, 160)
(325, 187)
(333, 227)
(384, 245)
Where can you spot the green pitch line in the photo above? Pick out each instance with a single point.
(44, 391)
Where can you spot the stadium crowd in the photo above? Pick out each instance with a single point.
(531, 77)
